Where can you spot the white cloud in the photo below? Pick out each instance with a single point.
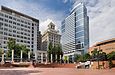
(35, 10)
(44, 24)
(102, 24)
(101, 13)
(102, 21)
(65, 1)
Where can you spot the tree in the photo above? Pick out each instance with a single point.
(94, 54)
(77, 57)
(17, 49)
(54, 50)
(50, 51)
(59, 52)
(102, 56)
(86, 57)
(98, 55)
(11, 45)
(25, 50)
(110, 57)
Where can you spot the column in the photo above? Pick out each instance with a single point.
(60, 58)
(2, 62)
(36, 55)
(51, 58)
(21, 55)
(41, 57)
(46, 59)
(56, 57)
(12, 56)
(29, 55)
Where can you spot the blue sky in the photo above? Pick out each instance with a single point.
(101, 14)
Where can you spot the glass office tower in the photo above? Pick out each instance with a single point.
(75, 31)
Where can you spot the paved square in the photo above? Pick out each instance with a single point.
(55, 71)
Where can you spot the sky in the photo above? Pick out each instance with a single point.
(101, 14)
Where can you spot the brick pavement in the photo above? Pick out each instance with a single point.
(55, 71)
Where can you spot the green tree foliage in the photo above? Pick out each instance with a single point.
(11, 44)
(86, 57)
(54, 50)
(24, 50)
(77, 57)
(98, 54)
(110, 57)
(50, 51)
(17, 49)
(80, 58)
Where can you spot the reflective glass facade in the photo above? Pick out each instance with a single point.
(75, 31)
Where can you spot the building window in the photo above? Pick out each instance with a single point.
(18, 24)
(6, 16)
(32, 31)
(22, 21)
(21, 36)
(5, 33)
(14, 27)
(6, 24)
(10, 17)
(10, 21)
(14, 31)
(10, 26)
(24, 41)
(14, 35)
(21, 32)
(6, 20)
(22, 25)
(1, 14)
(10, 34)
(28, 42)
(28, 38)
(29, 27)
(14, 23)
(18, 40)
(1, 24)
(28, 23)
(14, 19)
(21, 40)
(18, 36)
(5, 38)
(1, 19)
(5, 29)
(18, 20)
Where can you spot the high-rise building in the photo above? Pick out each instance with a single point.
(49, 36)
(75, 31)
(23, 28)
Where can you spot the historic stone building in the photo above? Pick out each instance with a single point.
(51, 35)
